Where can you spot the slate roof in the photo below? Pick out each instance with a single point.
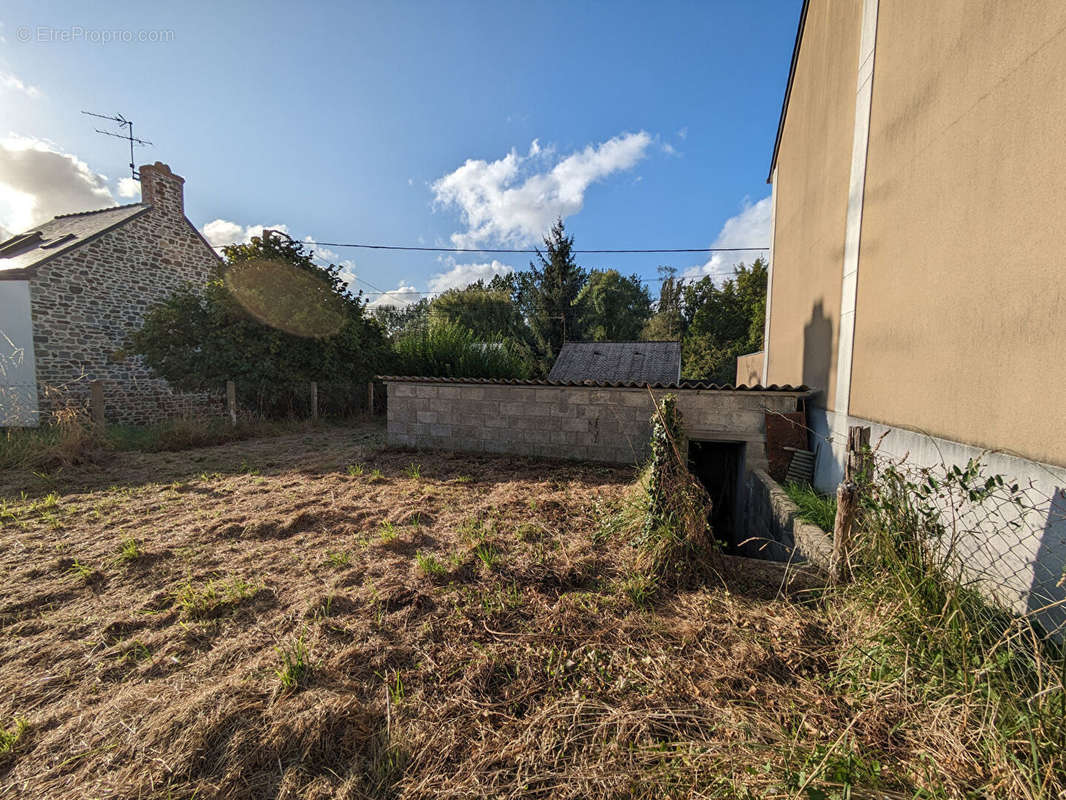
(619, 362)
(673, 385)
(60, 235)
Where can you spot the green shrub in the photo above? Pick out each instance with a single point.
(447, 349)
(272, 321)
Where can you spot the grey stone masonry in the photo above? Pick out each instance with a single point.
(87, 301)
(774, 529)
(610, 424)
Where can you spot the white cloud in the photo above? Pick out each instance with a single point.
(221, 232)
(749, 228)
(683, 133)
(403, 295)
(462, 275)
(129, 187)
(39, 181)
(507, 202)
(15, 84)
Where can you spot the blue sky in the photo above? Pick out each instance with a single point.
(460, 123)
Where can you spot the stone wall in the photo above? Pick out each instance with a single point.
(576, 422)
(87, 301)
(774, 529)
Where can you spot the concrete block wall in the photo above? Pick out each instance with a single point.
(774, 529)
(577, 422)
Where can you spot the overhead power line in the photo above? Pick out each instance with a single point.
(379, 291)
(533, 251)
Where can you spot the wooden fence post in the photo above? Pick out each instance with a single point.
(370, 398)
(847, 497)
(856, 470)
(314, 401)
(231, 401)
(96, 401)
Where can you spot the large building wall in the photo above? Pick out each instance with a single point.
(961, 302)
(86, 303)
(813, 172)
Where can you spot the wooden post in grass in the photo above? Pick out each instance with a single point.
(96, 402)
(370, 398)
(314, 401)
(847, 502)
(231, 401)
(856, 470)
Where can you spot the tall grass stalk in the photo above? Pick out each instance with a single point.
(996, 679)
(446, 349)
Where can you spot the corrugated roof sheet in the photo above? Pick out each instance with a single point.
(626, 362)
(62, 234)
(702, 385)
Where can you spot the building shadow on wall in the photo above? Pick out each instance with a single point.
(1047, 595)
(817, 352)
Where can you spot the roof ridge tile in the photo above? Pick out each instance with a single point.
(98, 211)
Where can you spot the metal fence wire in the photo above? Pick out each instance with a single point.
(965, 524)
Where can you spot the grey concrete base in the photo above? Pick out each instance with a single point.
(774, 529)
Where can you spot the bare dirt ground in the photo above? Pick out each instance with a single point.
(313, 616)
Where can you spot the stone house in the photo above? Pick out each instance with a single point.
(74, 288)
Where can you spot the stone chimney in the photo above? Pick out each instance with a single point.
(162, 189)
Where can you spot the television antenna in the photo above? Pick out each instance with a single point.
(128, 135)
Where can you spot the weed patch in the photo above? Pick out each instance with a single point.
(814, 507)
(295, 664)
(210, 599)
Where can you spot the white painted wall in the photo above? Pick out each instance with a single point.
(18, 375)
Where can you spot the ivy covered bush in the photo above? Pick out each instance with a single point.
(678, 544)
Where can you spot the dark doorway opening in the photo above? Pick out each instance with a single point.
(718, 466)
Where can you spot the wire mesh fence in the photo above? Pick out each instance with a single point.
(966, 524)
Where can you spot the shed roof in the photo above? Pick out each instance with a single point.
(672, 385)
(60, 235)
(639, 363)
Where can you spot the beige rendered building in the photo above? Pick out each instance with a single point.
(917, 280)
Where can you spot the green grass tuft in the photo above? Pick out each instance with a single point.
(429, 563)
(129, 550)
(814, 507)
(10, 738)
(295, 664)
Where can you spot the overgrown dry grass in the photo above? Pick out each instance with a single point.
(312, 617)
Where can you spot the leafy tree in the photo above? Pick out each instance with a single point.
(614, 308)
(272, 321)
(487, 312)
(666, 324)
(722, 323)
(549, 292)
(396, 320)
